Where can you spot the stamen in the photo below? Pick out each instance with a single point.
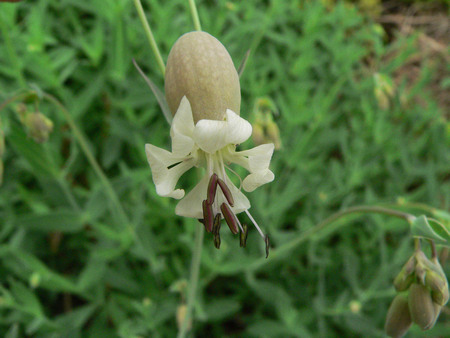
(266, 240)
(217, 241)
(208, 218)
(212, 187)
(216, 225)
(226, 192)
(265, 237)
(243, 236)
(237, 175)
(216, 231)
(255, 224)
(229, 218)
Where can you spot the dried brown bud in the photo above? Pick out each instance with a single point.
(398, 320)
(200, 68)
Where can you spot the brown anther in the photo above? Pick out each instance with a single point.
(229, 218)
(216, 225)
(212, 187)
(208, 217)
(226, 192)
(217, 241)
(266, 240)
(243, 236)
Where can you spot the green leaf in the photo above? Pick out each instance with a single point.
(64, 221)
(421, 227)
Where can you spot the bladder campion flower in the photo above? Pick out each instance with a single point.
(203, 92)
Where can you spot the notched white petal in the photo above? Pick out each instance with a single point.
(239, 129)
(258, 157)
(211, 135)
(182, 129)
(255, 180)
(166, 170)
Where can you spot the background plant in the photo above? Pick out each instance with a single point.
(353, 132)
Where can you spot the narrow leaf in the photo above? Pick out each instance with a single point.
(158, 94)
(243, 63)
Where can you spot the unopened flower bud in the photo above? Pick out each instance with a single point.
(39, 126)
(258, 134)
(437, 312)
(273, 133)
(384, 90)
(181, 316)
(406, 276)
(398, 319)
(200, 68)
(421, 307)
(438, 285)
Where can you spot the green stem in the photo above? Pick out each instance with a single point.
(150, 37)
(193, 279)
(116, 206)
(194, 14)
(417, 245)
(366, 209)
(286, 248)
(420, 206)
(12, 99)
(433, 249)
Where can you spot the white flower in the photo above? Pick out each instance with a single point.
(210, 144)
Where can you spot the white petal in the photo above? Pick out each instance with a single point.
(211, 135)
(165, 179)
(258, 157)
(239, 130)
(254, 180)
(182, 129)
(191, 204)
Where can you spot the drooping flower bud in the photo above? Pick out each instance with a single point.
(200, 68)
(398, 319)
(406, 276)
(439, 286)
(39, 126)
(421, 307)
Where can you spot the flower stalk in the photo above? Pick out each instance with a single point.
(150, 37)
(193, 279)
(194, 15)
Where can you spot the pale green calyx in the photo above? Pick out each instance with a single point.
(200, 68)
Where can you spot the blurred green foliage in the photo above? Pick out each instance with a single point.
(71, 265)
